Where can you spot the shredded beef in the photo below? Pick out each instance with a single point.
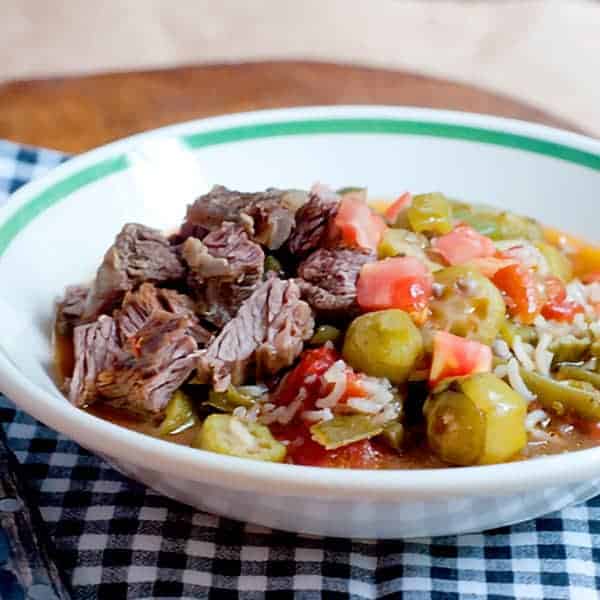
(267, 333)
(225, 269)
(70, 308)
(96, 348)
(327, 280)
(162, 356)
(138, 306)
(313, 219)
(139, 254)
(267, 216)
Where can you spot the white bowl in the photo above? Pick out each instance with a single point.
(54, 231)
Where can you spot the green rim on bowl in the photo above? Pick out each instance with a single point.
(58, 191)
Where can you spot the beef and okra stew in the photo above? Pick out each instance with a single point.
(315, 328)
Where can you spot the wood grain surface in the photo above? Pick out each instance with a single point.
(78, 113)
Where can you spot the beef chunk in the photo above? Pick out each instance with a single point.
(139, 254)
(96, 348)
(70, 308)
(267, 333)
(225, 268)
(312, 220)
(267, 216)
(138, 306)
(328, 280)
(162, 356)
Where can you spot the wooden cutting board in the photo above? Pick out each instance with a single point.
(77, 113)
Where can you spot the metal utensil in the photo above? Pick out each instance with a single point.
(27, 569)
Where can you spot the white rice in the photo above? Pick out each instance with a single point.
(364, 405)
(317, 416)
(281, 414)
(501, 371)
(543, 357)
(336, 374)
(592, 292)
(522, 352)
(576, 291)
(516, 381)
(501, 349)
(437, 289)
(535, 418)
(527, 254)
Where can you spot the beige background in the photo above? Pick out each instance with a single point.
(546, 51)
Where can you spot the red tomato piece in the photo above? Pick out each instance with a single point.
(303, 450)
(463, 244)
(359, 455)
(400, 282)
(521, 292)
(454, 356)
(312, 365)
(589, 428)
(354, 388)
(394, 209)
(557, 306)
(357, 225)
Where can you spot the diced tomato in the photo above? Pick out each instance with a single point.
(454, 356)
(354, 388)
(400, 282)
(359, 455)
(490, 265)
(303, 450)
(357, 225)
(590, 429)
(521, 292)
(557, 306)
(307, 374)
(394, 209)
(463, 244)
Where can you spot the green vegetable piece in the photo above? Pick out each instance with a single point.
(468, 305)
(401, 242)
(179, 414)
(578, 397)
(324, 334)
(515, 227)
(570, 349)
(352, 190)
(558, 263)
(272, 264)
(578, 374)
(498, 225)
(229, 400)
(504, 412)
(393, 434)
(226, 434)
(455, 428)
(344, 430)
(383, 344)
(509, 330)
(431, 213)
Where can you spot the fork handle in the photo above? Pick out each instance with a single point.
(26, 565)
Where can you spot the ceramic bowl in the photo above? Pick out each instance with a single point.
(54, 231)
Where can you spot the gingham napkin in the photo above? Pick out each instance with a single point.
(117, 539)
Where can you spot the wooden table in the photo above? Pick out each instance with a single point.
(77, 113)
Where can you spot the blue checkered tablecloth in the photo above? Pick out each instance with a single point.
(117, 539)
